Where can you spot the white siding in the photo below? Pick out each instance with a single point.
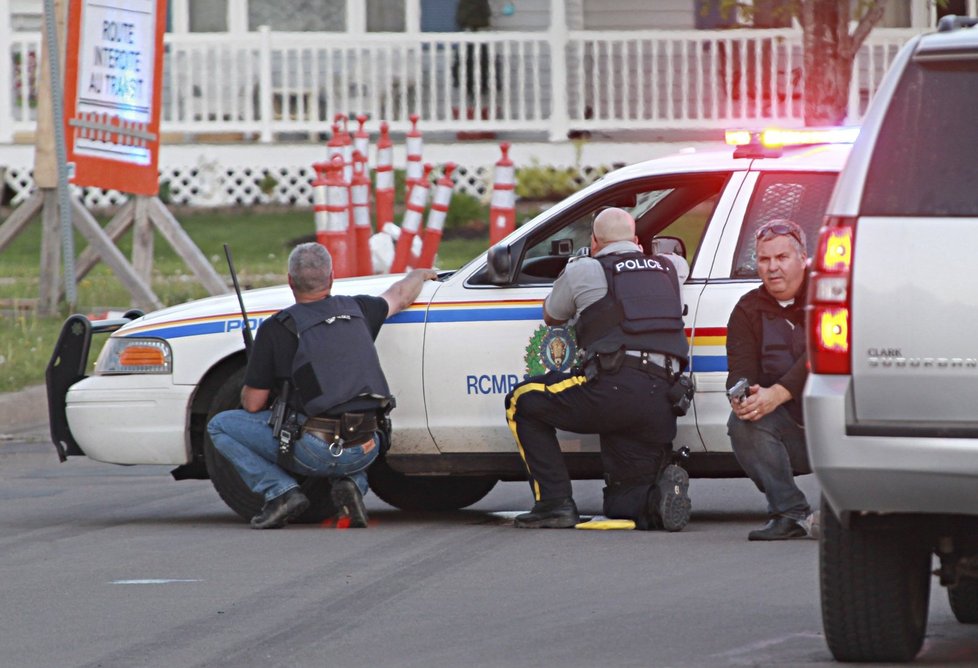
(639, 14)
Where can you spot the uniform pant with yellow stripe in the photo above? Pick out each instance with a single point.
(628, 409)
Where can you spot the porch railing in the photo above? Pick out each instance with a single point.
(266, 83)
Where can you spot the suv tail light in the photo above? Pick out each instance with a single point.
(829, 307)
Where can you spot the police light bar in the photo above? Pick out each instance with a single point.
(769, 142)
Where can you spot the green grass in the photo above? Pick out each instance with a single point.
(260, 242)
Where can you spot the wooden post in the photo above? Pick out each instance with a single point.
(142, 293)
(559, 40)
(52, 288)
(184, 246)
(142, 238)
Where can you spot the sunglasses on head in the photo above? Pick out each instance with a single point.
(779, 229)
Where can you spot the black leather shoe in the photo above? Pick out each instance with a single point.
(778, 528)
(550, 514)
(349, 502)
(280, 510)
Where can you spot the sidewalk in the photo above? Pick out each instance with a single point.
(24, 408)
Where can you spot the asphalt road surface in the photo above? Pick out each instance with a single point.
(114, 566)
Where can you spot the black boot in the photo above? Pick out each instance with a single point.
(280, 510)
(349, 502)
(550, 514)
(778, 528)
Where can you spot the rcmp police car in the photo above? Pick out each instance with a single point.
(452, 356)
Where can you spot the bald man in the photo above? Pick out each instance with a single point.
(627, 310)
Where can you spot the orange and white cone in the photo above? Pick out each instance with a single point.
(336, 236)
(502, 206)
(361, 139)
(436, 217)
(384, 190)
(413, 214)
(360, 198)
(413, 172)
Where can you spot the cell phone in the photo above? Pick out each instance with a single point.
(739, 391)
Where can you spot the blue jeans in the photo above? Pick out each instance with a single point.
(245, 440)
(769, 450)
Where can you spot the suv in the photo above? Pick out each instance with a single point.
(468, 338)
(892, 401)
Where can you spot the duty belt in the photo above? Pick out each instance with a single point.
(350, 430)
(655, 364)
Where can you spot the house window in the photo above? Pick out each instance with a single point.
(208, 15)
(385, 16)
(298, 15)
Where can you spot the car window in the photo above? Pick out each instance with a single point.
(677, 206)
(924, 159)
(798, 196)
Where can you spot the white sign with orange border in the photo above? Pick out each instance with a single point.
(114, 62)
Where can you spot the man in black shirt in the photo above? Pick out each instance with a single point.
(338, 391)
(766, 345)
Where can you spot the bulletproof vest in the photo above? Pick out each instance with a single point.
(642, 309)
(781, 345)
(335, 359)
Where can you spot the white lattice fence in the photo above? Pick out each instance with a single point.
(209, 184)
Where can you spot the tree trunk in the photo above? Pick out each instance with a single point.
(829, 54)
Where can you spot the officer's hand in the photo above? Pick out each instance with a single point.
(761, 402)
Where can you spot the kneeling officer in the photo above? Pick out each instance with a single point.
(628, 312)
(322, 349)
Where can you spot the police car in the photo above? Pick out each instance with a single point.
(468, 339)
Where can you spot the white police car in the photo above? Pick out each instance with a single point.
(452, 356)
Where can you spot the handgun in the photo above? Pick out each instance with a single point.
(739, 391)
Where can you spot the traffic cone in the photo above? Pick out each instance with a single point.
(335, 235)
(436, 217)
(384, 189)
(360, 199)
(502, 206)
(346, 142)
(417, 201)
(361, 139)
(415, 147)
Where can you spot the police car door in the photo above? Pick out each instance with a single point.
(484, 334)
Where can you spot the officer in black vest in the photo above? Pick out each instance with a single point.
(337, 393)
(628, 312)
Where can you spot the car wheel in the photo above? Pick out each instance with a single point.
(875, 591)
(426, 492)
(963, 598)
(232, 490)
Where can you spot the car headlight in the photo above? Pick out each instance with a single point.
(134, 355)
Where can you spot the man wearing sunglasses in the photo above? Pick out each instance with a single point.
(627, 309)
(766, 345)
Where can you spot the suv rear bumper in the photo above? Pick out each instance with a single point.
(885, 474)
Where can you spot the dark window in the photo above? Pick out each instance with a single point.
(924, 162)
(799, 197)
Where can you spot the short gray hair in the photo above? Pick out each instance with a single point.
(782, 227)
(310, 267)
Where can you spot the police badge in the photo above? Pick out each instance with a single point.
(550, 349)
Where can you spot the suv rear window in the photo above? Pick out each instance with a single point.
(924, 162)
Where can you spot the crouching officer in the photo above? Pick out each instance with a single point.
(628, 312)
(321, 350)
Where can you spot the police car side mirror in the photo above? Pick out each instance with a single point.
(668, 246)
(500, 265)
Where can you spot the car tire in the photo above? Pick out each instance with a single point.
(426, 493)
(963, 598)
(875, 588)
(232, 490)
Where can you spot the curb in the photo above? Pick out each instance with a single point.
(23, 408)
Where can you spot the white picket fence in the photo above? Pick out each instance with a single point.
(265, 83)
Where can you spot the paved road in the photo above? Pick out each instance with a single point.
(120, 567)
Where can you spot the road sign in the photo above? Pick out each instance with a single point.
(113, 77)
